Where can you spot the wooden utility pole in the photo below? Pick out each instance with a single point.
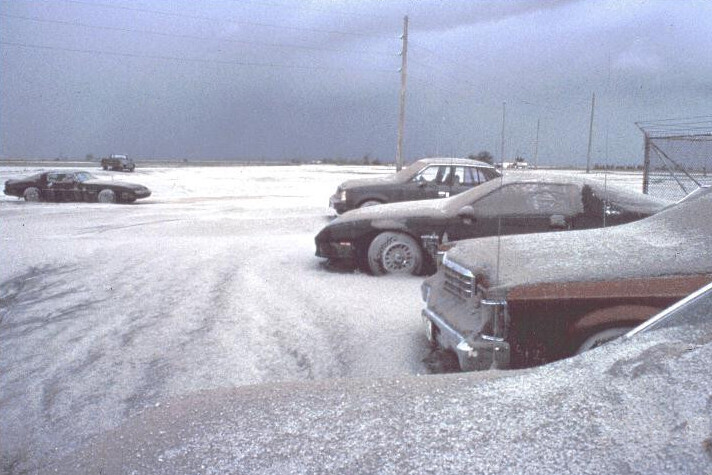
(404, 74)
(504, 117)
(590, 134)
(536, 146)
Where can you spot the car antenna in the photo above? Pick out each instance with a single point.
(605, 183)
(501, 182)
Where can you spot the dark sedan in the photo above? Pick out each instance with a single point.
(74, 186)
(405, 237)
(423, 180)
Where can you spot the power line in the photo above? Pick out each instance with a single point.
(303, 6)
(219, 20)
(193, 37)
(191, 60)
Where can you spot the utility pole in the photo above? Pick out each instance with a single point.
(504, 116)
(590, 134)
(404, 73)
(536, 146)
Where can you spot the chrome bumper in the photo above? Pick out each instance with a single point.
(480, 352)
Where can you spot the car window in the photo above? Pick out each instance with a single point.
(466, 176)
(436, 174)
(56, 177)
(528, 198)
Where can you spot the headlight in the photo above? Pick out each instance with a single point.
(342, 196)
(425, 291)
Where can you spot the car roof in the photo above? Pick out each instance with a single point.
(453, 161)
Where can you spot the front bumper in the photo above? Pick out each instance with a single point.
(336, 250)
(474, 353)
(339, 205)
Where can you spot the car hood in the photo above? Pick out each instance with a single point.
(674, 242)
(359, 182)
(398, 211)
(107, 183)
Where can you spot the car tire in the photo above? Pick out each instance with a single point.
(394, 253)
(105, 167)
(106, 196)
(31, 194)
(368, 203)
(602, 337)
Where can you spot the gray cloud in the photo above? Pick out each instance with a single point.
(201, 81)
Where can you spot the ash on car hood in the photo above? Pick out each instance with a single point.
(678, 240)
(386, 180)
(398, 211)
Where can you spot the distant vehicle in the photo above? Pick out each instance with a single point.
(425, 179)
(520, 301)
(74, 186)
(405, 237)
(118, 162)
(519, 165)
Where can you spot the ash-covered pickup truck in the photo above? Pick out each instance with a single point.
(118, 162)
(519, 301)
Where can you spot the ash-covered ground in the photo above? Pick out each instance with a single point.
(113, 312)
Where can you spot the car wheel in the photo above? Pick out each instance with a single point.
(394, 253)
(105, 167)
(31, 194)
(368, 203)
(601, 338)
(107, 196)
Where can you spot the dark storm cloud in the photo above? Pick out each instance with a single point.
(281, 80)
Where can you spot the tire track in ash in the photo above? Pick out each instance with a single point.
(295, 337)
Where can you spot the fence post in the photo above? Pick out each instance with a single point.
(646, 164)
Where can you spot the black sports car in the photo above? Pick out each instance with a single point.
(74, 186)
(406, 237)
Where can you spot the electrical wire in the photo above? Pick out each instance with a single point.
(215, 19)
(193, 37)
(191, 60)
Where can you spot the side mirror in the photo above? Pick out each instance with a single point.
(466, 212)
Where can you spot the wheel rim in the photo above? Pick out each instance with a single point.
(32, 194)
(398, 257)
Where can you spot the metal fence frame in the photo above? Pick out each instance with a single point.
(679, 173)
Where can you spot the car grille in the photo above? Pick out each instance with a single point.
(458, 282)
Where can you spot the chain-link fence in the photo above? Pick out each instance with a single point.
(678, 156)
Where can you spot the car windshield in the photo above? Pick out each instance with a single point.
(407, 173)
(84, 176)
(470, 196)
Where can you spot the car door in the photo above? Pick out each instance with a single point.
(520, 208)
(429, 183)
(65, 187)
(50, 188)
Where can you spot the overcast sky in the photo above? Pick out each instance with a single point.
(280, 79)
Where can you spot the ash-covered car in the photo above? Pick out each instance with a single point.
(405, 237)
(61, 185)
(520, 301)
(425, 179)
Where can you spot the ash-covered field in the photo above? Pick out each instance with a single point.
(108, 311)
